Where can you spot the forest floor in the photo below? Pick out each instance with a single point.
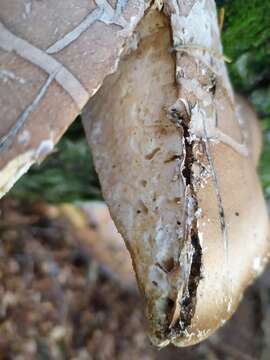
(67, 292)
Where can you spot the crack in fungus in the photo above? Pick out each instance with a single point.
(190, 256)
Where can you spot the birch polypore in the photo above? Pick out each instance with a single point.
(176, 162)
(172, 147)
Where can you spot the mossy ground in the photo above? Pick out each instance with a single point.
(246, 41)
(68, 174)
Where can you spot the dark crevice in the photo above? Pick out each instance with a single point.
(168, 265)
(151, 155)
(172, 158)
(188, 301)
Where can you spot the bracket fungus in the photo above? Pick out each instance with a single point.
(175, 150)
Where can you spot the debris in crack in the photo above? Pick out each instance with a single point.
(190, 255)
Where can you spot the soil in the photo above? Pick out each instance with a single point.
(60, 300)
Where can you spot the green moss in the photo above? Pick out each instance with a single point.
(65, 176)
(264, 165)
(260, 98)
(246, 40)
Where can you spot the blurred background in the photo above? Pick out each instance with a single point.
(67, 290)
